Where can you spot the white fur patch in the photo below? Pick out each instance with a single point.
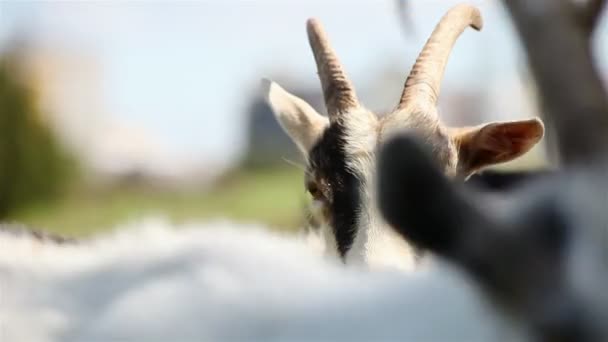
(376, 244)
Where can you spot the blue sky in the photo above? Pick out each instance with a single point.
(183, 71)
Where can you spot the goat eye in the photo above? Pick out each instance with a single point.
(314, 190)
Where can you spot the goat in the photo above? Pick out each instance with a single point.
(151, 280)
(340, 149)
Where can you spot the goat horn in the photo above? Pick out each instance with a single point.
(424, 81)
(338, 92)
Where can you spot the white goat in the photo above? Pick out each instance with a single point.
(340, 149)
(221, 281)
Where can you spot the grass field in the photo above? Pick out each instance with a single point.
(272, 196)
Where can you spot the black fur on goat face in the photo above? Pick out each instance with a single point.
(540, 253)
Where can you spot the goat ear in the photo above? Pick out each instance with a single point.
(419, 201)
(297, 118)
(494, 143)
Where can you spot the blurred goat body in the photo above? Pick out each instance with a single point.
(218, 281)
(341, 148)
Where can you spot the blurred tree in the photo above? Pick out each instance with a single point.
(34, 167)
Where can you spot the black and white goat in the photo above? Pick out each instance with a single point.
(341, 148)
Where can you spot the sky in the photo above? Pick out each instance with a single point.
(178, 75)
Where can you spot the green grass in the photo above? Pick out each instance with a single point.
(272, 196)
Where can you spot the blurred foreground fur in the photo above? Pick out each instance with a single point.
(223, 281)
